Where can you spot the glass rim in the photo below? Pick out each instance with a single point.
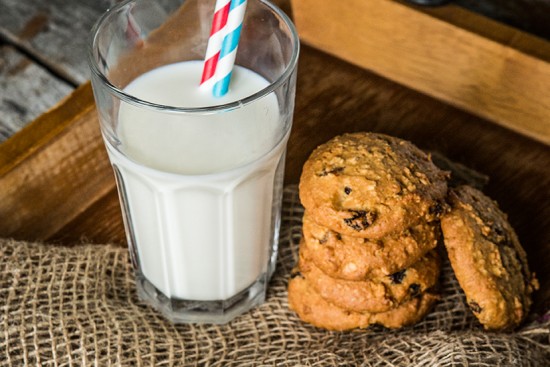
(126, 97)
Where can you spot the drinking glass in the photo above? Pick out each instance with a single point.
(200, 186)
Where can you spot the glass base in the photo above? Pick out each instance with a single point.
(191, 311)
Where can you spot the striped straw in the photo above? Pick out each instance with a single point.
(220, 76)
(219, 21)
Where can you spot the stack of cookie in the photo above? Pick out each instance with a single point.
(369, 232)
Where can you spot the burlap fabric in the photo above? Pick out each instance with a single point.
(73, 306)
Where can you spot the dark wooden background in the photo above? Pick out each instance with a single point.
(532, 16)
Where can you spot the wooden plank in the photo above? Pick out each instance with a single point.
(26, 91)
(101, 222)
(55, 171)
(54, 32)
(44, 129)
(489, 69)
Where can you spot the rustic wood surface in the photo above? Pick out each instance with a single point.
(56, 184)
(43, 55)
(54, 32)
(27, 90)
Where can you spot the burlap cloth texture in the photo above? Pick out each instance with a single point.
(68, 306)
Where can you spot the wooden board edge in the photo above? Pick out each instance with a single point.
(37, 134)
(62, 158)
(398, 41)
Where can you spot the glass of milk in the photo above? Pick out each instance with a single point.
(199, 178)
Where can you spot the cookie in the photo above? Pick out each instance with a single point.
(370, 185)
(373, 295)
(315, 310)
(356, 258)
(488, 260)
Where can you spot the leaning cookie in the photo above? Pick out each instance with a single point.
(356, 258)
(315, 310)
(488, 260)
(373, 295)
(370, 185)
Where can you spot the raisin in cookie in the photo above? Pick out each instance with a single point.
(356, 258)
(314, 309)
(488, 260)
(373, 295)
(370, 185)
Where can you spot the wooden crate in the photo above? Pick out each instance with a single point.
(447, 52)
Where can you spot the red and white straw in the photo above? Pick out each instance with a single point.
(219, 22)
(222, 45)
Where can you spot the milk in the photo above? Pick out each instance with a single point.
(198, 189)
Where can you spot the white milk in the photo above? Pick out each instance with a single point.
(199, 189)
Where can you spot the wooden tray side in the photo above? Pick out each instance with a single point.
(53, 170)
(464, 59)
